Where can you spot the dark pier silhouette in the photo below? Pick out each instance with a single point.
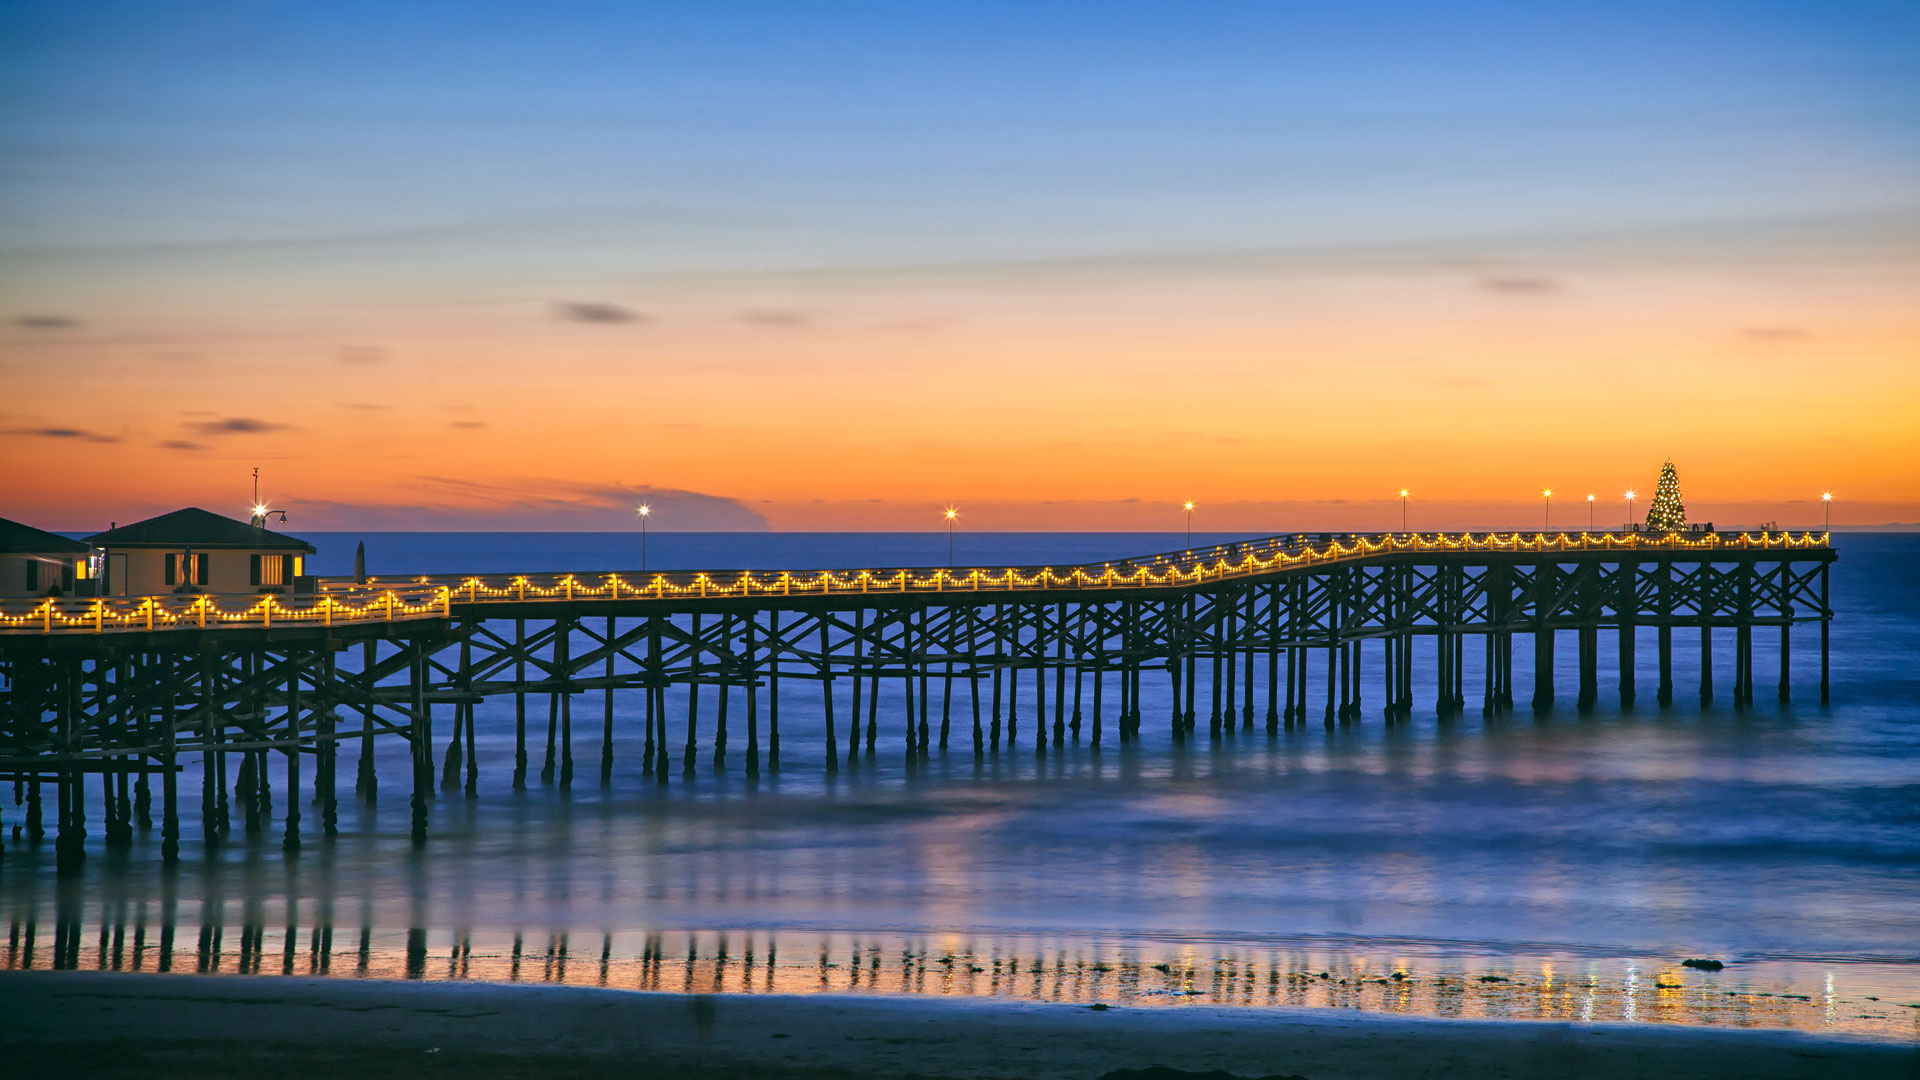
(1270, 634)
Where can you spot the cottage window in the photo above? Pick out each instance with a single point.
(269, 570)
(186, 568)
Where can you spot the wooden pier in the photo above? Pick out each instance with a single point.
(1265, 634)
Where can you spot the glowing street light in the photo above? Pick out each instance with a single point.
(1546, 521)
(1189, 509)
(1826, 500)
(1589, 511)
(953, 514)
(1403, 509)
(1629, 507)
(645, 513)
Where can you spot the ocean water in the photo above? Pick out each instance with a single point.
(1515, 866)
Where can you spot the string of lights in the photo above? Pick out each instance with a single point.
(431, 597)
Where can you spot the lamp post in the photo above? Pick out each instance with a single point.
(1826, 502)
(1403, 509)
(952, 514)
(1629, 508)
(1189, 508)
(1546, 519)
(1589, 511)
(645, 512)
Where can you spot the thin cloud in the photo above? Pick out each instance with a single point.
(468, 425)
(236, 425)
(182, 445)
(75, 434)
(777, 320)
(1520, 286)
(593, 311)
(1774, 333)
(47, 322)
(362, 354)
(360, 405)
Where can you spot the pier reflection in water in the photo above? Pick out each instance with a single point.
(139, 936)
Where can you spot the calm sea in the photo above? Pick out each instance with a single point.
(1517, 866)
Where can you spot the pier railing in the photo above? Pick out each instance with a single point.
(345, 601)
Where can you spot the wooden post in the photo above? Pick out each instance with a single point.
(1706, 660)
(1190, 634)
(873, 702)
(695, 654)
(290, 839)
(1664, 693)
(70, 849)
(1014, 649)
(1786, 657)
(1059, 673)
(456, 749)
(209, 781)
(1099, 662)
(563, 646)
(1626, 609)
(657, 697)
(973, 675)
(751, 672)
(999, 643)
(1222, 634)
(520, 705)
(1273, 659)
(606, 724)
(1544, 580)
(328, 778)
(826, 690)
(1079, 667)
(1743, 640)
(773, 691)
(857, 669)
(417, 734)
(169, 758)
(919, 661)
(1826, 625)
(725, 691)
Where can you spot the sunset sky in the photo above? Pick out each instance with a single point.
(834, 266)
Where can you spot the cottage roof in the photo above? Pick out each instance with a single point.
(16, 538)
(197, 528)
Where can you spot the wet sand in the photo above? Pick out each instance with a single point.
(105, 1026)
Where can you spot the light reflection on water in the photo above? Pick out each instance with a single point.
(1416, 982)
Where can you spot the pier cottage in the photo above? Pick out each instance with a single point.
(34, 562)
(193, 550)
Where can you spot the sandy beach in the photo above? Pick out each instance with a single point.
(106, 1025)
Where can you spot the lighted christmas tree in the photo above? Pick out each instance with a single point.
(1668, 513)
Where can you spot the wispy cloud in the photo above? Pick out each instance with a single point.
(777, 320)
(47, 322)
(182, 445)
(1774, 333)
(75, 434)
(468, 425)
(593, 311)
(1519, 285)
(236, 425)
